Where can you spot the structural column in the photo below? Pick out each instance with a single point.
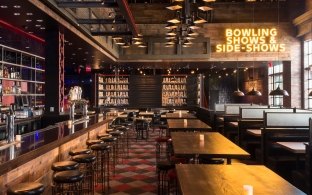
(54, 102)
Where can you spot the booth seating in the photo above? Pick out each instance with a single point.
(283, 127)
(252, 119)
(230, 119)
(302, 177)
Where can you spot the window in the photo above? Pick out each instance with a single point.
(307, 52)
(275, 80)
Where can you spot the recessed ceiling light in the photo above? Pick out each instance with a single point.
(29, 14)
(0, 37)
(4, 6)
(74, 63)
(73, 54)
(28, 20)
(17, 14)
(37, 25)
(27, 47)
(17, 6)
(86, 52)
(70, 43)
(84, 59)
(92, 56)
(39, 20)
(79, 48)
(30, 32)
(42, 28)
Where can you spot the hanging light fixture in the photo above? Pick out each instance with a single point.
(253, 92)
(278, 90)
(238, 92)
(189, 14)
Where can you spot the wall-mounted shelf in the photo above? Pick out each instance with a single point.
(22, 74)
(112, 90)
(174, 91)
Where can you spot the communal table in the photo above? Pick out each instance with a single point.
(178, 115)
(231, 179)
(187, 125)
(210, 145)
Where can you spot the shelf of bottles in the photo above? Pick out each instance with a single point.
(21, 75)
(113, 90)
(174, 91)
(199, 78)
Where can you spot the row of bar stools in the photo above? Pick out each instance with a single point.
(66, 178)
(86, 162)
(29, 188)
(111, 141)
(101, 151)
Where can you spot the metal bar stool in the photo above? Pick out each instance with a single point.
(100, 135)
(126, 137)
(86, 166)
(101, 151)
(112, 142)
(79, 151)
(120, 146)
(162, 169)
(91, 142)
(64, 166)
(67, 183)
(29, 188)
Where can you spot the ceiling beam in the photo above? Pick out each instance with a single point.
(126, 12)
(101, 21)
(105, 33)
(86, 4)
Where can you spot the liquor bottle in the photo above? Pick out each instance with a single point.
(5, 72)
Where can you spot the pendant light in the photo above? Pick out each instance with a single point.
(238, 93)
(278, 90)
(253, 92)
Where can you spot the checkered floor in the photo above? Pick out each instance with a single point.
(136, 174)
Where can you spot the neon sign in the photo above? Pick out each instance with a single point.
(251, 40)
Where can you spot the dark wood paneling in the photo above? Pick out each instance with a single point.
(145, 91)
(191, 87)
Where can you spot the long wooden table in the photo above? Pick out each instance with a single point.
(187, 125)
(230, 179)
(214, 145)
(178, 115)
(294, 147)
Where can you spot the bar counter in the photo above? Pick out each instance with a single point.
(31, 158)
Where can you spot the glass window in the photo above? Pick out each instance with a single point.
(307, 51)
(275, 80)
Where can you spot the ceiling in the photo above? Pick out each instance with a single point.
(78, 53)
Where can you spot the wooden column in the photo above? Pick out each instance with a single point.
(54, 101)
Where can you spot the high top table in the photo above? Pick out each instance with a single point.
(230, 179)
(187, 125)
(213, 145)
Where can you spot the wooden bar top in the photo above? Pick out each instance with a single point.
(214, 145)
(229, 179)
(41, 141)
(187, 124)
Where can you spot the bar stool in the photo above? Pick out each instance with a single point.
(64, 166)
(111, 141)
(67, 182)
(29, 188)
(160, 142)
(86, 166)
(79, 151)
(91, 142)
(120, 146)
(127, 137)
(162, 169)
(100, 135)
(101, 151)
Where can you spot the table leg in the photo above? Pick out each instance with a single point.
(228, 161)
